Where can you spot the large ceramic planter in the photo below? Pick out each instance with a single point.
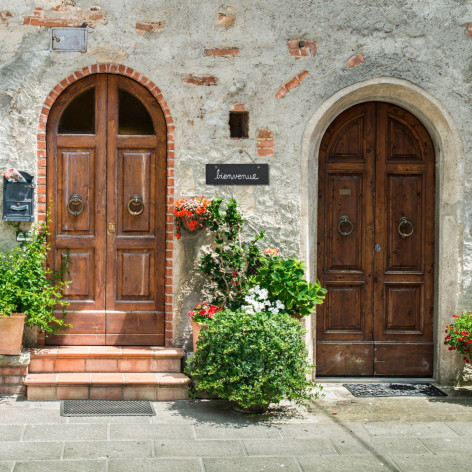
(196, 328)
(11, 334)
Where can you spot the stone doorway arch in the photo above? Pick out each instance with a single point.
(449, 192)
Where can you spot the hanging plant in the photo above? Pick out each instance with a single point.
(191, 214)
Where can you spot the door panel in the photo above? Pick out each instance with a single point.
(116, 250)
(76, 168)
(405, 253)
(345, 251)
(376, 168)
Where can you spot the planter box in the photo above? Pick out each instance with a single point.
(11, 329)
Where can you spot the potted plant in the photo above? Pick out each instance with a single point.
(191, 214)
(30, 291)
(200, 317)
(459, 336)
(253, 359)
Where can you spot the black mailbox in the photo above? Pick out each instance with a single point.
(18, 199)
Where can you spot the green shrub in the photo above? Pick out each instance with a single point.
(253, 359)
(28, 286)
(284, 280)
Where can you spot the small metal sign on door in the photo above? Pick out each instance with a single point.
(237, 174)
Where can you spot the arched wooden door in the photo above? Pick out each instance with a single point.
(376, 244)
(106, 148)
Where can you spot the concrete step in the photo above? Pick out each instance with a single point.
(105, 359)
(107, 386)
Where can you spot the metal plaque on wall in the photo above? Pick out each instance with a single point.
(237, 174)
(69, 39)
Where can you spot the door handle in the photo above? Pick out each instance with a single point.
(75, 201)
(136, 201)
(345, 221)
(405, 225)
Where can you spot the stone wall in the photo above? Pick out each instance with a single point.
(281, 62)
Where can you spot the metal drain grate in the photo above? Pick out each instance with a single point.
(395, 390)
(106, 408)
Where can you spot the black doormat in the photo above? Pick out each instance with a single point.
(395, 390)
(106, 408)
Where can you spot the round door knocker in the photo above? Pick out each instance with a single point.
(403, 227)
(343, 221)
(75, 201)
(136, 202)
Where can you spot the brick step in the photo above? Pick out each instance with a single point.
(106, 359)
(107, 386)
(12, 380)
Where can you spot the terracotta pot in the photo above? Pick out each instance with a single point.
(196, 327)
(11, 329)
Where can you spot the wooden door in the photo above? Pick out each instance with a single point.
(106, 139)
(376, 244)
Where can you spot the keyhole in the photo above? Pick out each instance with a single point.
(377, 248)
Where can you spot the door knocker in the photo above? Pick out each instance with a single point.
(345, 221)
(403, 227)
(75, 201)
(136, 202)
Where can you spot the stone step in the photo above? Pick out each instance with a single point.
(107, 386)
(105, 359)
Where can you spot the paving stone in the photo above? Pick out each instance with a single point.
(65, 432)
(61, 466)
(236, 431)
(251, 464)
(155, 465)
(364, 463)
(152, 431)
(322, 430)
(103, 449)
(438, 445)
(213, 411)
(198, 448)
(110, 419)
(288, 447)
(30, 416)
(461, 428)
(422, 463)
(11, 433)
(15, 451)
(378, 445)
(6, 466)
(410, 429)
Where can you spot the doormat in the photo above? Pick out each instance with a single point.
(106, 408)
(395, 390)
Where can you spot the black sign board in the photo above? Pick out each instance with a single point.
(237, 174)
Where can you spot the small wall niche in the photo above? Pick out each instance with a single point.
(239, 124)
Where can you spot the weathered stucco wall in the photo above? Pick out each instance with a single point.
(206, 58)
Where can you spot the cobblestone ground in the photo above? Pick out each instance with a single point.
(338, 433)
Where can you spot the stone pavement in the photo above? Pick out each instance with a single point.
(338, 433)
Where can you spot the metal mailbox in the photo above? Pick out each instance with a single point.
(18, 199)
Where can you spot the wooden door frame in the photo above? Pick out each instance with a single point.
(449, 189)
(42, 180)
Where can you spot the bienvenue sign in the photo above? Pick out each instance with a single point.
(237, 174)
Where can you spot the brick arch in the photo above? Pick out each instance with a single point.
(42, 168)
